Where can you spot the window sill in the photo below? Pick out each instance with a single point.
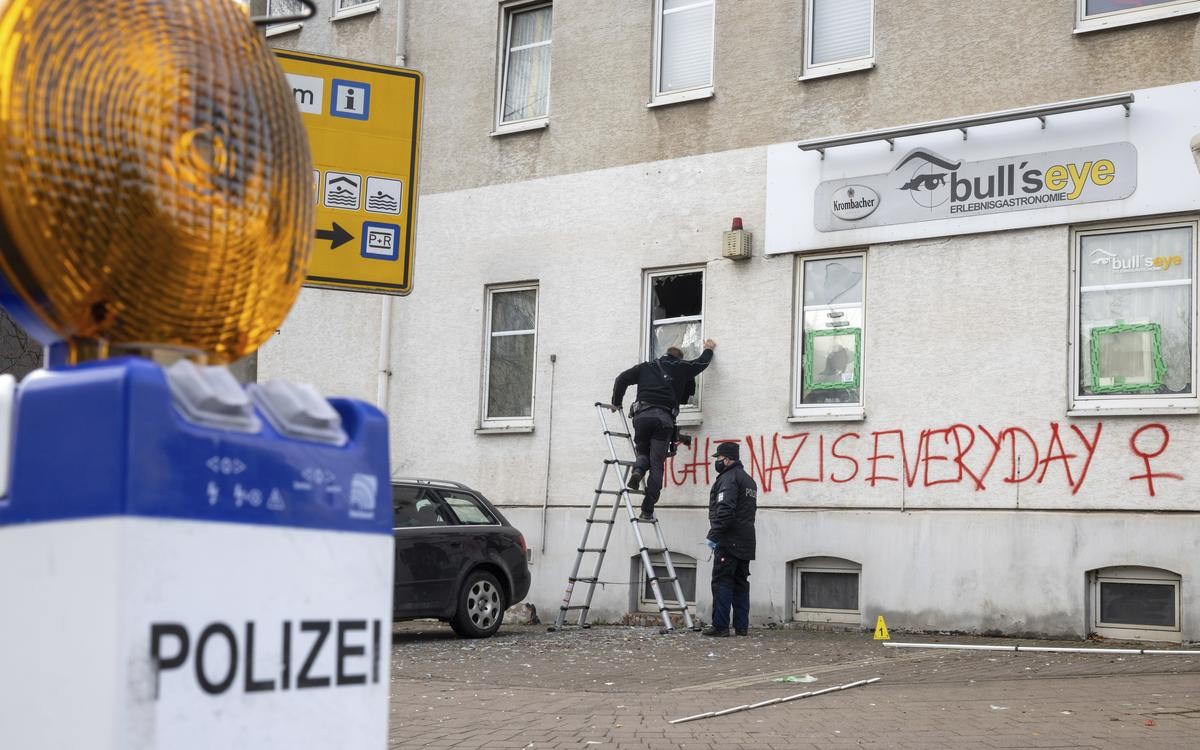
(835, 69)
(838, 617)
(511, 430)
(841, 415)
(522, 127)
(358, 10)
(663, 100)
(285, 28)
(1145, 16)
(1131, 411)
(689, 419)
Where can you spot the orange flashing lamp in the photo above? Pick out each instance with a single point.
(155, 177)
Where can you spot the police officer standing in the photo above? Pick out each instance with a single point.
(732, 503)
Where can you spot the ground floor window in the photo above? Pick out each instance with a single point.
(509, 356)
(674, 304)
(830, 323)
(1134, 310)
(826, 589)
(685, 568)
(1136, 603)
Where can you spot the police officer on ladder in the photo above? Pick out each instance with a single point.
(663, 385)
(732, 503)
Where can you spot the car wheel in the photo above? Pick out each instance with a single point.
(480, 606)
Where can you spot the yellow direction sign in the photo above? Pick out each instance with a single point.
(364, 125)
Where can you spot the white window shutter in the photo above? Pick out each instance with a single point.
(841, 30)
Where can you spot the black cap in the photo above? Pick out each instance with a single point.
(728, 450)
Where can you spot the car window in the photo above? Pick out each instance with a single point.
(416, 506)
(467, 508)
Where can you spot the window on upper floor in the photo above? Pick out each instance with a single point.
(683, 50)
(1093, 15)
(523, 80)
(839, 37)
(282, 9)
(350, 8)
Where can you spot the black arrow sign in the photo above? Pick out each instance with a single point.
(337, 236)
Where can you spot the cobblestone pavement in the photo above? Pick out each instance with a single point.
(618, 687)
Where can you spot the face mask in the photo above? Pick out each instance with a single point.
(719, 465)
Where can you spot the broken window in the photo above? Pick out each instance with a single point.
(676, 313)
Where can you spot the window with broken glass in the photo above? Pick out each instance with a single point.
(1134, 317)
(511, 349)
(675, 310)
(829, 341)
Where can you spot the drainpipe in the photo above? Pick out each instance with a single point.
(401, 33)
(385, 353)
(387, 305)
(549, 448)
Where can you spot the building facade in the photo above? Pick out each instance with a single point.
(960, 357)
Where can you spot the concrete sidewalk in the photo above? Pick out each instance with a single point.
(618, 687)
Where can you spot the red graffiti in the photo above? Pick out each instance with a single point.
(1150, 476)
(953, 455)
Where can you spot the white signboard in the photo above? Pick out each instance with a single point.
(193, 635)
(1082, 166)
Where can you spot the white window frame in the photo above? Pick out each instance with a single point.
(282, 28)
(679, 561)
(1085, 23)
(688, 414)
(825, 565)
(802, 412)
(658, 97)
(811, 71)
(1136, 574)
(507, 11)
(507, 424)
(341, 13)
(1131, 404)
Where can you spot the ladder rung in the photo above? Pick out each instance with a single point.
(620, 461)
(591, 549)
(660, 579)
(654, 550)
(599, 520)
(617, 434)
(618, 492)
(584, 580)
(673, 609)
(574, 606)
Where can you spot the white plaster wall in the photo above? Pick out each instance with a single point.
(329, 339)
(966, 330)
(1016, 573)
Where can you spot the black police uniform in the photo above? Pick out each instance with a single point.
(732, 504)
(663, 385)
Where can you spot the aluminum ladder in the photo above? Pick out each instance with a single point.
(618, 468)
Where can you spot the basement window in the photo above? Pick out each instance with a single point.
(685, 568)
(1136, 603)
(825, 589)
